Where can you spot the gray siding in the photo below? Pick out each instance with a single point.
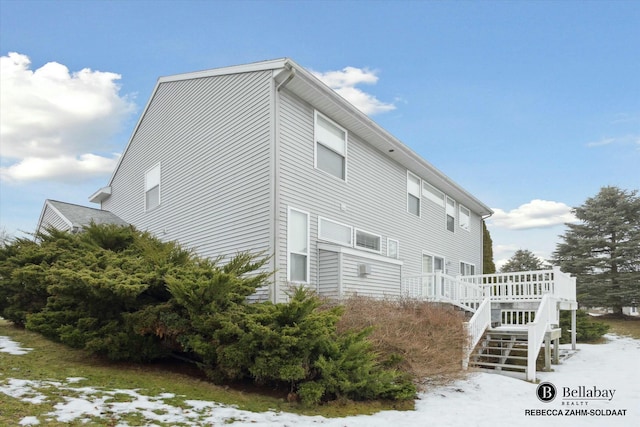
(212, 137)
(384, 280)
(50, 218)
(329, 274)
(374, 198)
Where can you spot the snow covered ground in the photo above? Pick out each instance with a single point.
(480, 400)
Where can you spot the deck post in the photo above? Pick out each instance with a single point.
(573, 329)
(547, 352)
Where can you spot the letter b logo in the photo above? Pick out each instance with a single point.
(546, 392)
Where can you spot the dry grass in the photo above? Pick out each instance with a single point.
(429, 337)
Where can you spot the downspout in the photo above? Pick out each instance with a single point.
(276, 180)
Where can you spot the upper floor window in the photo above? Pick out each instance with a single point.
(152, 187)
(366, 240)
(433, 194)
(330, 147)
(413, 194)
(335, 232)
(451, 214)
(464, 217)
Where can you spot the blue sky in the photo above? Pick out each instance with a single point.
(531, 106)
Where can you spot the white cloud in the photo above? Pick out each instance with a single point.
(51, 120)
(61, 168)
(344, 82)
(535, 214)
(620, 140)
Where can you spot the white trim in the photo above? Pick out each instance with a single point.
(389, 239)
(351, 237)
(355, 241)
(317, 113)
(289, 252)
(359, 252)
(418, 196)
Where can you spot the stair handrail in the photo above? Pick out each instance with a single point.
(536, 330)
(475, 328)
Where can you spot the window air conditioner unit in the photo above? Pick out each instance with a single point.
(364, 269)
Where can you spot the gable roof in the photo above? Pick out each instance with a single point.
(77, 216)
(308, 87)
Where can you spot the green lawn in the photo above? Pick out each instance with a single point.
(49, 361)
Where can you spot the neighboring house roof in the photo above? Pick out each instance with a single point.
(311, 89)
(77, 217)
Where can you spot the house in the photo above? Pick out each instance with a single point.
(266, 158)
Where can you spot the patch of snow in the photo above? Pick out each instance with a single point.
(7, 345)
(29, 421)
(481, 399)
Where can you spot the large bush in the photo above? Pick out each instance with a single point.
(124, 294)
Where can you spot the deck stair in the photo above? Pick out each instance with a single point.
(502, 351)
(513, 315)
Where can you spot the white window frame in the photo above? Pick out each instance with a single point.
(397, 243)
(321, 237)
(148, 186)
(289, 251)
(410, 193)
(464, 264)
(316, 142)
(432, 193)
(447, 214)
(355, 241)
(433, 262)
(462, 215)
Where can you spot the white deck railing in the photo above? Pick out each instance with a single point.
(440, 287)
(469, 291)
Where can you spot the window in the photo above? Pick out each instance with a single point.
(298, 246)
(413, 194)
(464, 217)
(451, 214)
(467, 269)
(393, 248)
(432, 263)
(331, 147)
(335, 232)
(431, 193)
(152, 188)
(368, 241)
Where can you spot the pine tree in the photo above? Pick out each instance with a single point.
(523, 260)
(488, 266)
(603, 250)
